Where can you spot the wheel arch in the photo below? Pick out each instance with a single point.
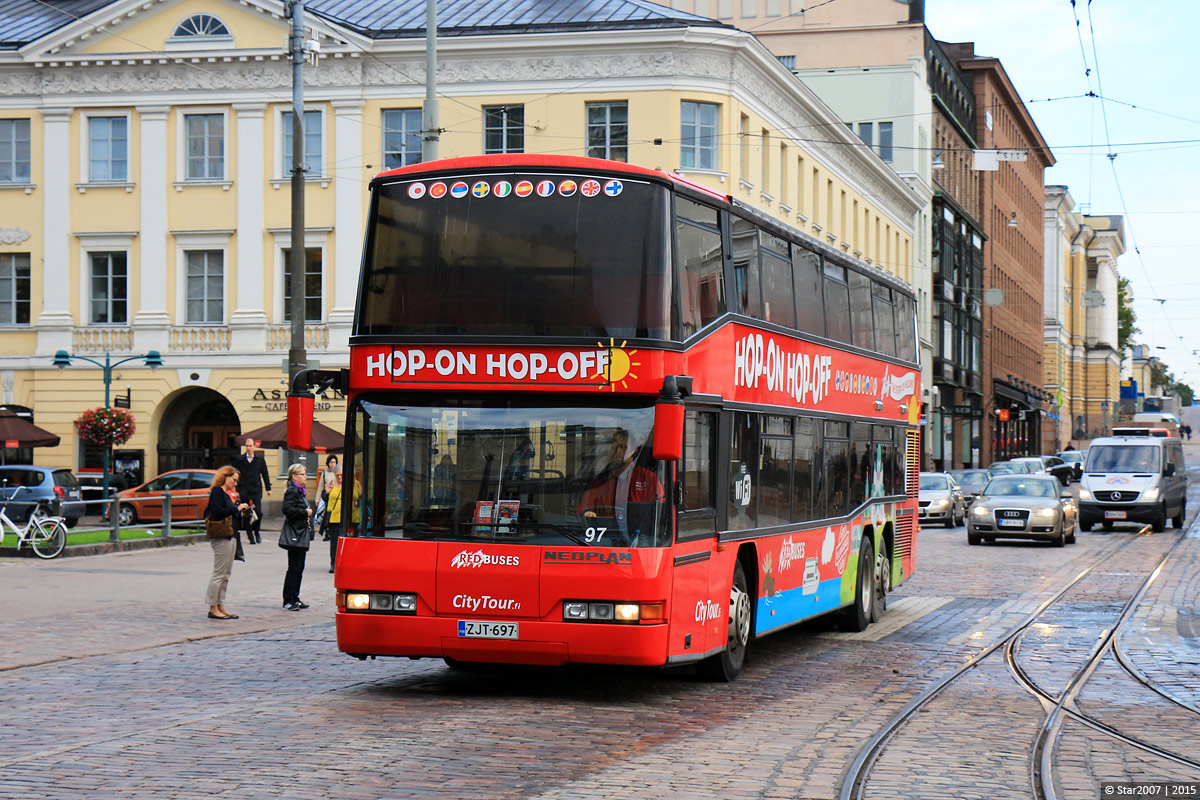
(747, 556)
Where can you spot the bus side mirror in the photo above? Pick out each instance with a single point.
(300, 420)
(668, 418)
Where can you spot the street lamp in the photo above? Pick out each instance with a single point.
(63, 359)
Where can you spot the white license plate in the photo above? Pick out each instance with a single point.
(1012, 523)
(471, 629)
(1114, 515)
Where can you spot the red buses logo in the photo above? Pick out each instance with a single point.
(468, 560)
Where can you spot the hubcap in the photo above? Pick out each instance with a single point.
(739, 617)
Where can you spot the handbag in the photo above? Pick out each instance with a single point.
(294, 534)
(219, 528)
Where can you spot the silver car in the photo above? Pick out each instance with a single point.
(940, 500)
(1022, 507)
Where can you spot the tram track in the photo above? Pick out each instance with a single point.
(1058, 707)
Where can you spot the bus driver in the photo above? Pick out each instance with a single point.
(622, 482)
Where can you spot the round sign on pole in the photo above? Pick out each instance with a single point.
(993, 297)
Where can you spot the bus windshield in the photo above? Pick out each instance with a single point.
(518, 255)
(473, 469)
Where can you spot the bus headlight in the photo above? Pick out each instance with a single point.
(603, 612)
(381, 602)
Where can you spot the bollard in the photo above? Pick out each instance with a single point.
(114, 520)
(166, 513)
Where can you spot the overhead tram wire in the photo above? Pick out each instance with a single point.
(1112, 158)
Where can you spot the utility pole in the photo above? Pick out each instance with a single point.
(430, 133)
(297, 357)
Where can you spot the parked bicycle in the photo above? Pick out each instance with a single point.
(46, 535)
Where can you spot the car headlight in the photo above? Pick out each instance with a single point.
(979, 511)
(1150, 494)
(1046, 512)
(937, 504)
(1084, 494)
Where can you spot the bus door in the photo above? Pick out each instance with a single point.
(692, 600)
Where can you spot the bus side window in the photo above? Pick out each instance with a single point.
(810, 310)
(747, 289)
(860, 311)
(701, 267)
(804, 468)
(837, 468)
(775, 472)
(743, 472)
(885, 338)
(698, 513)
(860, 463)
(906, 332)
(778, 305)
(837, 303)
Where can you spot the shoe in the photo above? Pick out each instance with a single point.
(231, 616)
(331, 570)
(291, 606)
(211, 615)
(301, 604)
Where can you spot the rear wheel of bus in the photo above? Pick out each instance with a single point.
(726, 665)
(883, 581)
(858, 616)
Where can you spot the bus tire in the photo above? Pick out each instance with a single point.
(883, 581)
(858, 616)
(725, 665)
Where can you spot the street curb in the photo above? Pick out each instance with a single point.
(101, 548)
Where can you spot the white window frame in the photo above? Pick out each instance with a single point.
(383, 136)
(284, 171)
(200, 240)
(181, 177)
(715, 146)
(313, 240)
(85, 157)
(219, 42)
(105, 243)
(10, 147)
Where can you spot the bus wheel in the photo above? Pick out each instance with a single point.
(858, 616)
(726, 665)
(883, 581)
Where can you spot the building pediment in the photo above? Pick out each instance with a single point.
(148, 31)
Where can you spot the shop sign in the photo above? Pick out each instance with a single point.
(276, 400)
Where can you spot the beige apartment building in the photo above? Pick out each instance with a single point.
(145, 193)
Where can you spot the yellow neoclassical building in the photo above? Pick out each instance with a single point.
(1081, 360)
(145, 156)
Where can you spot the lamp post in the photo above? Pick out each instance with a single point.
(63, 359)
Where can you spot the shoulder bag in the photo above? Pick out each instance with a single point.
(219, 528)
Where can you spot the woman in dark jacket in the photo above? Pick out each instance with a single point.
(296, 534)
(221, 506)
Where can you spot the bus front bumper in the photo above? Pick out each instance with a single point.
(540, 642)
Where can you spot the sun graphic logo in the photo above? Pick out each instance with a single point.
(619, 367)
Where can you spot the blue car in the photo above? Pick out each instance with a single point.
(28, 487)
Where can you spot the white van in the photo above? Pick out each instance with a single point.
(1133, 479)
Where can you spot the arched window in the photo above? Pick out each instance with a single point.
(201, 25)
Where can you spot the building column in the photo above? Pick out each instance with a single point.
(55, 323)
(248, 322)
(152, 322)
(348, 219)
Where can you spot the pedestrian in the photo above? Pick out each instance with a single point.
(296, 534)
(253, 469)
(219, 526)
(340, 519)
(323, 487)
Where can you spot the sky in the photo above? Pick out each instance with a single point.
(1141, 60)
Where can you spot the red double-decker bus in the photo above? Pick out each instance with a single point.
(598, 413)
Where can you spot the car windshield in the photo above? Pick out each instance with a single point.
(1123, 458)
(1071, 456)
(1019, 487)
(935, 483)
(971, 479)
(473, 469)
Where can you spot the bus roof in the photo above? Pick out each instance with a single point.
(505, 160)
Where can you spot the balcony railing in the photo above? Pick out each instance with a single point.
(316, 336)
(102, 340)
(199, 339)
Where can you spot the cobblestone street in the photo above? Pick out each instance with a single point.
(124, 689)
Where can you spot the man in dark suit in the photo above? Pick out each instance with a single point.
(253, 480)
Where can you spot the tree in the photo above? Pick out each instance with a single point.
(1183, 392)
(1126, 318)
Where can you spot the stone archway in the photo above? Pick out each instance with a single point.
(197, 429)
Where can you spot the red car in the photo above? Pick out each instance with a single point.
(189, 497)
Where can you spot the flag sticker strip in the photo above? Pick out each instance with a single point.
(481, 189)
(458, 189)
(416, 191)
(590, 187)
(437, 190)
